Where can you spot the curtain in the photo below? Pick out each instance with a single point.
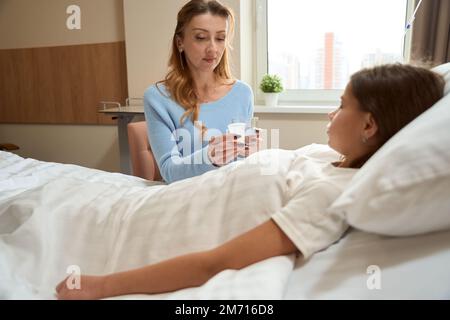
(431, 32)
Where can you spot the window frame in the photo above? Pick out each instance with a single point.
(305, 97)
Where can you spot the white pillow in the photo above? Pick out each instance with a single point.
(404, 189)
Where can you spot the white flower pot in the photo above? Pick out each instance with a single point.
(271, 99)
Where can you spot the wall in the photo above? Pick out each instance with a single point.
(43, 24)
(296, 130)
(88, 145)
(148, 29)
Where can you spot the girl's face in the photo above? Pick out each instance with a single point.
(204, 42)
(350, 128)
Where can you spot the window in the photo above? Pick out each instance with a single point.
(316, 45)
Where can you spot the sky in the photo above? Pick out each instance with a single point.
(362, 25)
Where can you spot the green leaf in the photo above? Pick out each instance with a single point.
(271, 84)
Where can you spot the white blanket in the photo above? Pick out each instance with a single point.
(53, 216)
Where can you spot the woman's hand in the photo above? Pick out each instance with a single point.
(252, 144)
(91, 287)
(223, 149)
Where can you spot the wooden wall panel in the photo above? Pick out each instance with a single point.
(61, 85)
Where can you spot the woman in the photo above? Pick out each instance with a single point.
(375, 105)
(199, 97)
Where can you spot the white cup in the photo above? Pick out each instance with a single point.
(239, 129)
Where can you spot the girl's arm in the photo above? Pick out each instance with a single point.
(265, 241)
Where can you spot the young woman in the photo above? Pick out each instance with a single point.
(188, 113)
(376, 104)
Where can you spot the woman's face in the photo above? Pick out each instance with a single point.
(348, 127)
(204, 42)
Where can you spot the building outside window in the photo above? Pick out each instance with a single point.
(315, 45)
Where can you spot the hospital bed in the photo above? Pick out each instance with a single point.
(57, 218)
(413, 267)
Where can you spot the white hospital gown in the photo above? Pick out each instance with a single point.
(313, 183)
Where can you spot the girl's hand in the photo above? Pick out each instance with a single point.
(223, 149)
(91, 287)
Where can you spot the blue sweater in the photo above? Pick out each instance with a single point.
(179, 149)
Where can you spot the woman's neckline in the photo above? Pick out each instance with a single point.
(222, 97)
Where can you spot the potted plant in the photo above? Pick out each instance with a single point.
(271, 85)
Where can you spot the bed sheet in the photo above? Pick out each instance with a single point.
(408, 268)
(105, 219)
(57, 216)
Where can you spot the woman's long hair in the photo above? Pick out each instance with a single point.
(178, 81)
(394, 94)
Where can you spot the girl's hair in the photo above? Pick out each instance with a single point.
(178, 81)
(394, 94)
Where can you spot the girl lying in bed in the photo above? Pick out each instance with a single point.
(376, 104)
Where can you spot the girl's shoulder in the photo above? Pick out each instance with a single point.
(317, 150)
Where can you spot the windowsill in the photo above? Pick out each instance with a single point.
(258, 109)
(294, 109)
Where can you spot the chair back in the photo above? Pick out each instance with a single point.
(142, 160)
